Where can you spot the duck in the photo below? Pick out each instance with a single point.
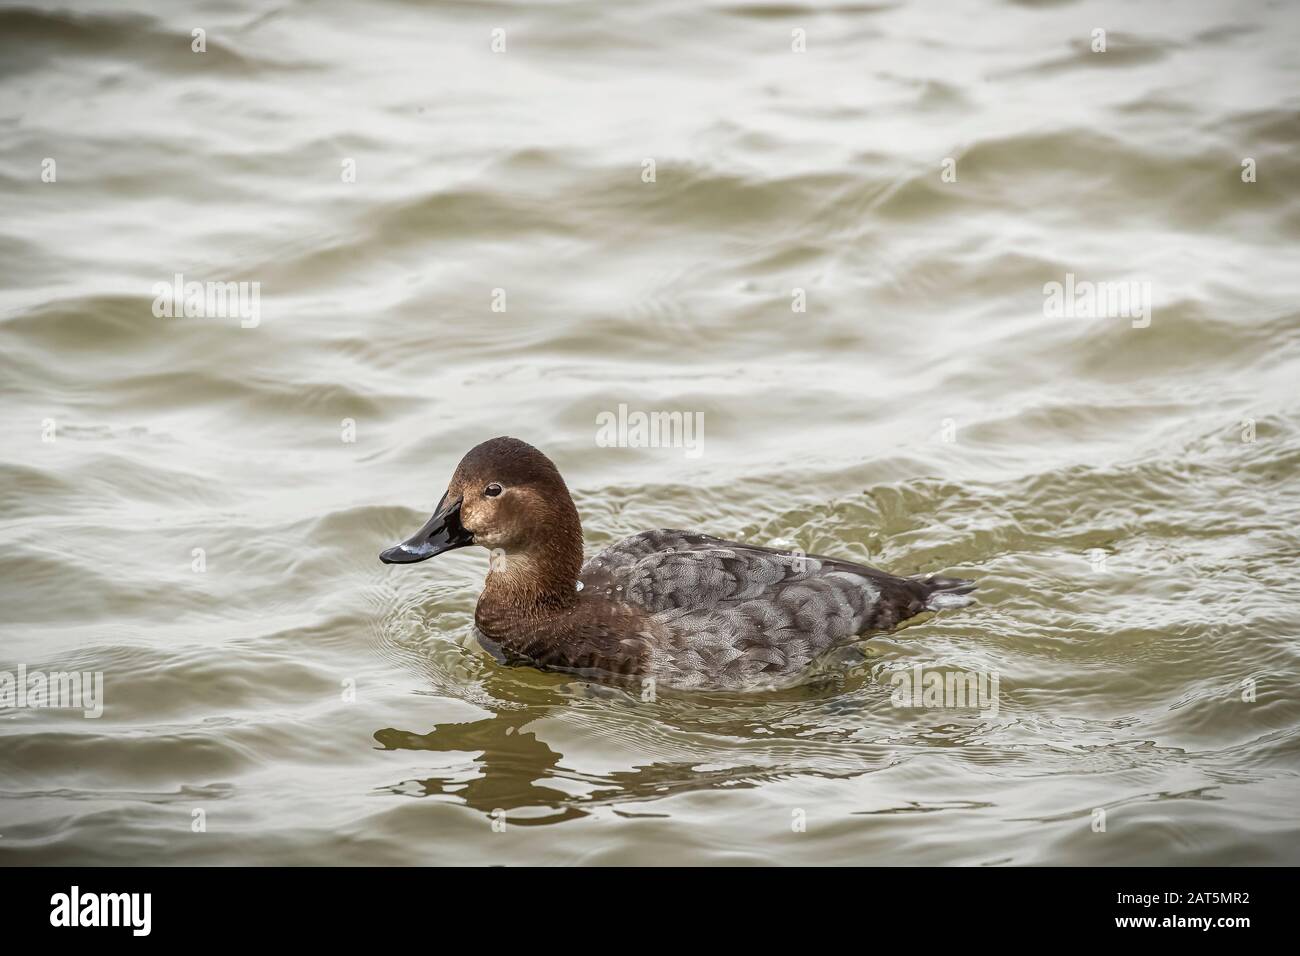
(665, 608)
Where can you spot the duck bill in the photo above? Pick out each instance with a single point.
(442, 532)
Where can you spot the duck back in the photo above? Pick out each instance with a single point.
(736, 616)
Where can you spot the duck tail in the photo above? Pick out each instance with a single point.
(943, 592)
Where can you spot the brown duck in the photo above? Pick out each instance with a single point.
(687, 610)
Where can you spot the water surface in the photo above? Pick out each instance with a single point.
(1126, 496)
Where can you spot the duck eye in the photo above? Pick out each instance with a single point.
(492, 490)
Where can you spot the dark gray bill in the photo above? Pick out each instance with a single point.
(442, 532)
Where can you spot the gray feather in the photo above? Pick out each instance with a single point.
(733, 616)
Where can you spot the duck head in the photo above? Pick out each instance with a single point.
(508, 497)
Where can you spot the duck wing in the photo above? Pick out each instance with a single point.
(735, 615)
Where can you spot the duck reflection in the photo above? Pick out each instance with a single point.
(511, 761)
(515, 768)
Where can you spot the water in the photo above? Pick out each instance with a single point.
(1126, 496)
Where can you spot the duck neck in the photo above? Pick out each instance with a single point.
(540, 578)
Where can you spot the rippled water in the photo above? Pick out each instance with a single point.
(1126, 496)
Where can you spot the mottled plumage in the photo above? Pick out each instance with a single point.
(688, 610)
(731, 615)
